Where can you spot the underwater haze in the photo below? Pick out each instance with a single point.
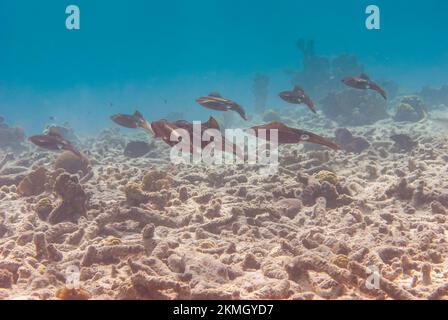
(159, 56)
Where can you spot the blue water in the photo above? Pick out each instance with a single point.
(158, 56)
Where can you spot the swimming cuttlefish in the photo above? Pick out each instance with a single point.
(363, 82)
(298, 96)
(132, 121)
(215, 101)
(55, 142)
(287, 135)
(166, 130)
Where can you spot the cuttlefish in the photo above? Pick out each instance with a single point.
(215, 101)
(55, 142)
(363, 82)
(170, 133)
(298, 96)
(132, 121)
(287, 135)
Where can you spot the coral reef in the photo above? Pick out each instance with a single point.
(321, 74)
(71, 163)
(156, 180)
(34, 183)
(11, 138)
(43, 208)
(318, 228)
(354, 107)
(350, 143)
(72, 204)
(135, 194)
(410, 109)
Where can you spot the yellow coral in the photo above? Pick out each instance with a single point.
(156, 180)
(112, 241)
(341, 261)
(327, 176)
(207, 244)
(134, 193)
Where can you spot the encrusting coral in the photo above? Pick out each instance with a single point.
(156, 180)
(135, 194)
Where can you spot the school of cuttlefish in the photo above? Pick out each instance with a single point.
(114, 213)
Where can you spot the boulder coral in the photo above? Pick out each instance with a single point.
(410, 109)
(354, 107)
(34, 183)
(71, 163)
(73, 200)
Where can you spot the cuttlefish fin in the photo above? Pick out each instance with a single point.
(212, 124)
(364, 76)
(215, 95)
(143, 123)
(298, 89)
(54, 133)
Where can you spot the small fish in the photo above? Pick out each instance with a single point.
(287, 135)
(215, 101)
(52, 118)
(363, 82)
(298, 96)
(55, 142)
(133, 121)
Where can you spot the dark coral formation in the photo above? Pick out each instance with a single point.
(137, 149)
(72, 163)
(320, 74)
(410, 109)
(349, 143)
(354, 107)
(34, 183)
(73, 200)
(10, 137)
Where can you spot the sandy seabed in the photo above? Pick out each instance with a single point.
(141, 228)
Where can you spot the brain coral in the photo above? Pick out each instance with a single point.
(71, 163)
